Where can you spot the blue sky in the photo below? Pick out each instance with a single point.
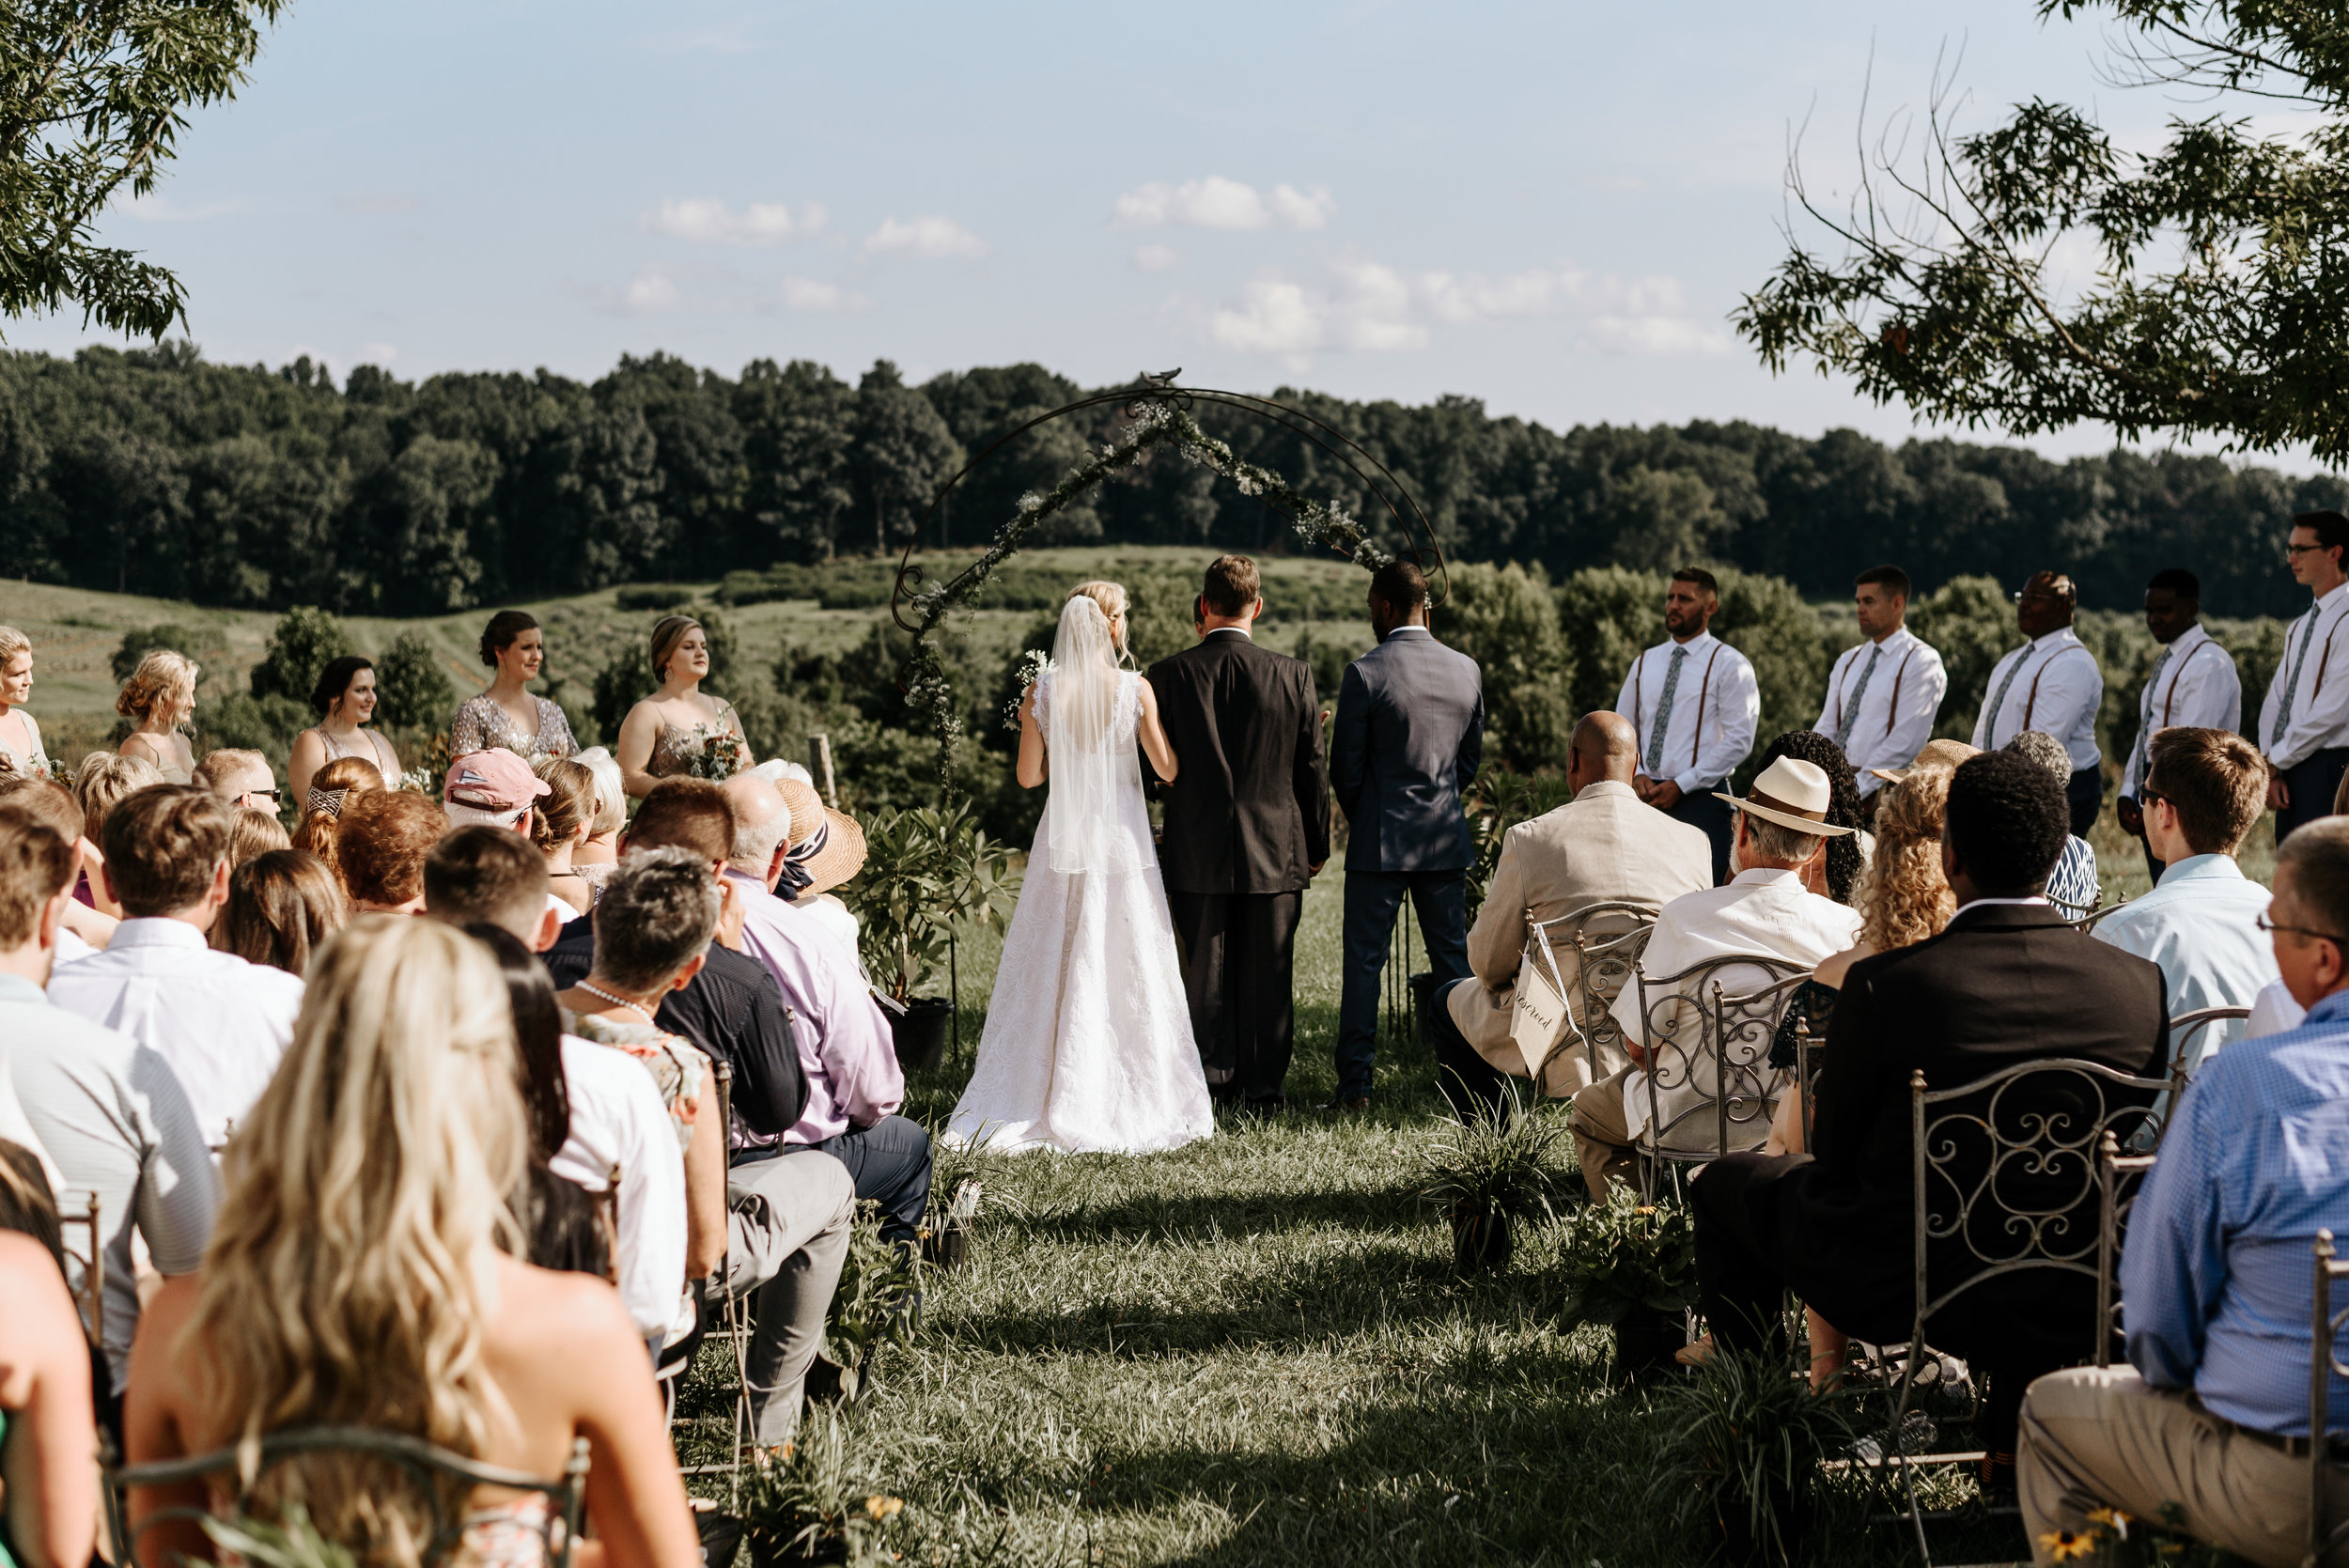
(1549, 206)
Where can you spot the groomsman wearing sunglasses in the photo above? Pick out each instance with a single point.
(2304, 723)
(2192, 685)
(2051, 683)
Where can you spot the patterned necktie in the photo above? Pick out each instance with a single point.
(2145, 729)
(1664, 714)
(2283, 709)
(1851, 713)
(1998, 703)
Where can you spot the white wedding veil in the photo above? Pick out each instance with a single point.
(1080, 741)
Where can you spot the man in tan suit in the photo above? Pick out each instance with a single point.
(1605, 846)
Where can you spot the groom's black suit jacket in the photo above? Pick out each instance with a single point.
(1249, 809)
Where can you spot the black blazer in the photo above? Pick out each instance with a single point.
(2004, 983)
(1248, 810)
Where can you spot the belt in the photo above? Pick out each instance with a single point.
(2336, 1449)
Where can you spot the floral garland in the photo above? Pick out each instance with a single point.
(1155, 420)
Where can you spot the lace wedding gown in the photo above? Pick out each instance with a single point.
(1088, 1046)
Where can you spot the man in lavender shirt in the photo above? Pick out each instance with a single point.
(854, 1085)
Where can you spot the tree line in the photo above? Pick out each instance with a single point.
(154, 471)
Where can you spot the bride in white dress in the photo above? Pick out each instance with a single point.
(1088, 1046)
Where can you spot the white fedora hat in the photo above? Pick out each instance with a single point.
(1792, 793)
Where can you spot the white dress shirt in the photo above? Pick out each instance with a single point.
(617, 1120)
(2057, 688)
(1767, 914)
(1892, 718)
(2320, 704)
(2196, 687)
(1715, 708)
(220, 1022)
(2200, 923)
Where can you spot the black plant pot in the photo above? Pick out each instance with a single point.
(778, 1549)
(828, 1381)
(1481, 1238)
(1644, 1345)
(948, 1247)
(1746, 1546)
(1423, 1005)
(921, 1033)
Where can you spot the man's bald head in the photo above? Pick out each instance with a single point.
(1605, 746)
(762, 826)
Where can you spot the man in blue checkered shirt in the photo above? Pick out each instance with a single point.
(2213, 1413)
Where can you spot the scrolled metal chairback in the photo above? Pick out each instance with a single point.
(1682, 1018)
(1605, 960)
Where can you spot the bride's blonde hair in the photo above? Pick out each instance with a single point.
(1110, 597)
(345, 1282)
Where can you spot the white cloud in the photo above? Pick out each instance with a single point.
(649, 293)
(379, 353)
(809, 294)
(1156, 258)
(721, 291)
(931, 237)
(1216, 202)
(712, 222)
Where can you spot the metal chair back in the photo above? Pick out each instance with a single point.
(2324, 1326)
(2189, 1034)
(426, 1464)
(2118, 1178)
(2088, 922)
(1701, 1038)
(1607, 939)
(80, 1205)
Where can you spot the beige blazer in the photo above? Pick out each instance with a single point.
(1605, 845)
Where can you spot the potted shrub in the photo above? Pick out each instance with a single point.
(1742, 1445)
(878, 1294)
(1493, 1169)
(808, 1501)
(1633, 1267)
(961, 1173)
(923, 869)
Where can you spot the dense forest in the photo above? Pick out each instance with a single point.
(154, 472)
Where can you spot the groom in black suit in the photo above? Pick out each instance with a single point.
(1247, 826)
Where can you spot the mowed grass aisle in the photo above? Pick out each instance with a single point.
(1254, 1350)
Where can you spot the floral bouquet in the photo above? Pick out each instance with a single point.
(1032, 667)
(716, 754)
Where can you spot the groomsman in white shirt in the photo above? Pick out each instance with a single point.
(2192, 685)
(1693, 701)
(1882, 696)
(2051, 683)
(2304, 723)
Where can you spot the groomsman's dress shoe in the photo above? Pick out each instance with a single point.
(1354, 1105)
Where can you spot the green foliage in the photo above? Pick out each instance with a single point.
(1624, 1256)
(1765, 620)
(1505, 618)
(137, 644)
(307, 639)
(93, 103)
(654, 596)
(1740, 1455)
(239, 719)
(1496, 802)
(2216, 302)
(813, 1498)
(925, 868)
(293, 1542)
(1970, 623)
(2114, 1539)
(1507, 1162)
(876, 1302)
(1608, 616)
(411, 690)
(627, 676)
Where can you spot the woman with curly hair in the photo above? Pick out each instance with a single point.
(161, 696)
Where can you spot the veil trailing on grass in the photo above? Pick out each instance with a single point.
(1086, 756)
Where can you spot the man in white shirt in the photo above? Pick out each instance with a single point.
(2051, 683)
(2192, 684)
(1764, 912)
(2304, 723)
(1882, 696)
(1694, 704)
(220, 1022)
(110, 1113)
(241, 778)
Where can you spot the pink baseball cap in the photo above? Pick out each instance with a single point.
(493, 786)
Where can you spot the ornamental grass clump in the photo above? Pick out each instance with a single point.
(878, 1300)
(1741, 1449)
(1623, 1258)
(812, 1500)
(1495, 1168)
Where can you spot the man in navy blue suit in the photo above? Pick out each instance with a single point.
(1409, 732)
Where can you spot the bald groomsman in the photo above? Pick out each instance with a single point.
(2051, 683)
(2192, 685)
(1693, 701)
(2304, 723)
(1883, 696)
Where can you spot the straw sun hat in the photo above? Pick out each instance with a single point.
(1792, 793)
(827, 846)
(1938, 754)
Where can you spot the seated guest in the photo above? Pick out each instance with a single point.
(2202, 791)
(1838, 871)
(281, 908)
(109, 1112)
(493, 787)
(790, 1217)
(819, 858)
(219, 1021)
(601, 848)
(380, 845)
(241, 778)
(480, 873)
(2072, 889)
(320, 809)
(557, 1215)
(1764, 911)
(854, 1085)
(731, 1009)
(160, 697)
(1604, 846)
(357, 1279)
(2006, 981)
(254, 833)
(103, 779)
(560, 825)
(2215, 1271)
(50, 1508)
(83, 930)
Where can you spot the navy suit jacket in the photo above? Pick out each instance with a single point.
(1409, 733)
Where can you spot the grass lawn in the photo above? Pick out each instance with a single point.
(1255, 1350)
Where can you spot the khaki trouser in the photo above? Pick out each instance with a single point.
(2104, 1439)
(787, 1238)
(1600, 1141)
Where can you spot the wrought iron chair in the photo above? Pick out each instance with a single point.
(2188, 1031)
(734, 1328)
(2003, 1169)
(2324, 1326)
(431, 1469)
(80, 1205)
(1723, 1059)
(2114, 1172)
(1607, 939)
(2087, 923)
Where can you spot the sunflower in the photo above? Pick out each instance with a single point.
(2063, 1545)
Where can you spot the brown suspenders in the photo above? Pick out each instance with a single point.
(1892, 712)
(2031, 703)
(1638, 695)
(2170, 699)
(1697, 735)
